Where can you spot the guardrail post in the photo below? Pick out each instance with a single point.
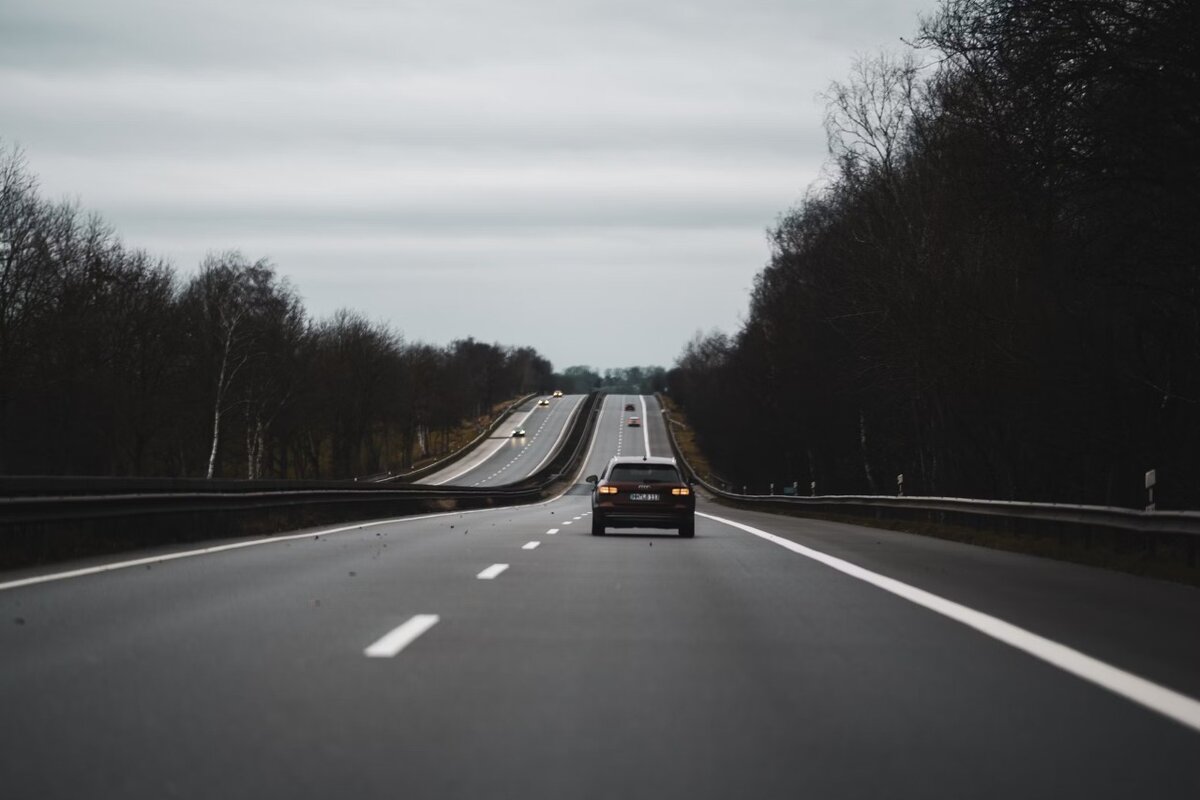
(796, 488)
(1151, 479)
(900, 485)
(743, 488)
(812, 489)
(772, 489)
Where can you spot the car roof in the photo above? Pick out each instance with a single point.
(640, 460)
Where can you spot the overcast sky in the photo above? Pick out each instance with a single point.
(593, 179)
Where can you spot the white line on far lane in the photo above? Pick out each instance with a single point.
(1179, 707)
(530, 545)
(491, 572)
(645, 424)
(401, 637)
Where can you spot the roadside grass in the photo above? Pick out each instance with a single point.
(685, 438)
(1163, 556)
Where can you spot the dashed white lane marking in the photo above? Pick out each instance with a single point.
(575, 407)
(1179, 707)
(552, 414)
(400, 638)
(491, 572)
(530, 545)
(566, 522)
(579, 517)
(620, 427)
(552, 531)
(515, 421)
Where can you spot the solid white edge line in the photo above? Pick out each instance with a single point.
(645, 425)
(561, 434)
(221, 548)
(530, 545)
(588, 455)
(401, 637)
(491, 572)
(1179, 707)
(204, 551)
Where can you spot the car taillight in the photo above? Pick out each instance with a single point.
(608, 490)
(681, 491)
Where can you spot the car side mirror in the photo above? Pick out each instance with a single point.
(592, 479)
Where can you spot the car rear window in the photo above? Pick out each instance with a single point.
(645, 473)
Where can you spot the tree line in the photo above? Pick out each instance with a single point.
(112, 364)
(996, 289)
(630, 380)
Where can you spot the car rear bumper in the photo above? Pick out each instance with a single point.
(625, 516)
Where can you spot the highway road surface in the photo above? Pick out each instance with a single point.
(503, 458)
(508, 653)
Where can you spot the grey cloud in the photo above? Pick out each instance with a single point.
(427, 162)
(285, 34)
(519, 214)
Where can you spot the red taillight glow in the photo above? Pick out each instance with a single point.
(681, 492)
(607, 490)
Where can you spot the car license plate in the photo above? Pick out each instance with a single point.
(642, 496)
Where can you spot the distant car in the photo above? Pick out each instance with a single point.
(634, 422)
(629, 407)
(518, 433)
(543, 402)
(558, 392)
(642, 492)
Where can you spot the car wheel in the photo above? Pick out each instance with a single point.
(687, 529)
(597, 525)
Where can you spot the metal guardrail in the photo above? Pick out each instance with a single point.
(47, 519)
(25, 500)
(875, 506)
(53, 508)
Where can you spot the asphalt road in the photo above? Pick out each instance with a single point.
(631, 665)
(504, 459)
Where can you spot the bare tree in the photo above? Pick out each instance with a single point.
(234, 303)
(869, 118)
